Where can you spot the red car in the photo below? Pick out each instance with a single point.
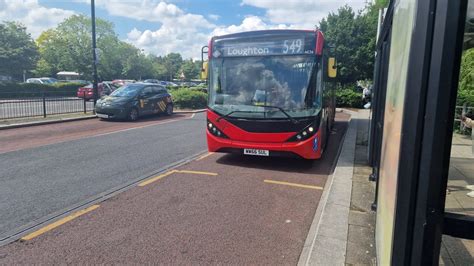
(87, 92)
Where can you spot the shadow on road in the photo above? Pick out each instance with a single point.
(324, 166)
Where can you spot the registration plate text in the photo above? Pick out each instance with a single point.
(256, 152)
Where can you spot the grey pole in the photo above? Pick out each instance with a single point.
(94, 52)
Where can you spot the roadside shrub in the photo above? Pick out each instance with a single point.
(18, 90)
(187, 98)
(466, 79)
(348, 97)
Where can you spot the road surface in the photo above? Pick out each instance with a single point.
(47, 169)
(215, 209)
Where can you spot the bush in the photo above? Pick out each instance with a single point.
(466, 79)
(16, 90)
(348, 97)
(188, 98)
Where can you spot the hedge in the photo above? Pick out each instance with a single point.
(348, 97)
(16, 90)
(189, 98)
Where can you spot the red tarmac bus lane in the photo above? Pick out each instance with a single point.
(217, 209)
(34, 136)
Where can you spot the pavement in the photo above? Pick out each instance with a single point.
(455, 251)
(63, 117)
(343, 229)
(214, 209)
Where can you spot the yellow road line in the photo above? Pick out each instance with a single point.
(204, 156)
(153, 179)
(59, 222)
(195, 172)
(291, 184)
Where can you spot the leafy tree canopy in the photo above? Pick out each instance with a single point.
(18, 51)
(353, 37)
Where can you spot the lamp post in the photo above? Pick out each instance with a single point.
(94, 53)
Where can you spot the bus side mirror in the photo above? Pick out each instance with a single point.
(332, 67)
(204, 50)
(204, 70)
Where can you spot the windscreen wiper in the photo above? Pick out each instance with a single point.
(236, 111)
(294, 121)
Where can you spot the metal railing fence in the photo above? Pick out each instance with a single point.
(22, 105)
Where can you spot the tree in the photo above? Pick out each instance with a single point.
(190, 69)
(353, 37)
(466, 79)
(69, 47)
(18, 51)
(137, 66)
(172, 63)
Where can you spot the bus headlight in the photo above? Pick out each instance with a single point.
(215, 131)
(304, 134)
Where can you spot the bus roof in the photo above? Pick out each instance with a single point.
(262, 32)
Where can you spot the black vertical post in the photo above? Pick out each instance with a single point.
(85, 102)
(94, 53)
(44, 105)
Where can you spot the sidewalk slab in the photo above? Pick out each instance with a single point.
(46, 122)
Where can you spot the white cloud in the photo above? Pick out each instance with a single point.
(179, 31)
(213, 16)
(303, 14)
(151, 10)
(249, 23)
(30, 13)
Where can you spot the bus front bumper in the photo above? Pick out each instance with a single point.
(307, 149)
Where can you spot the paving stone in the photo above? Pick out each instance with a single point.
(360, 245)
(362, 196)
(366, 219)
(340, 194)
(330, 251)
(362, 171)
(334, 222)
(444, 258)
(461, 251)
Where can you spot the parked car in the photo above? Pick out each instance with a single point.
(134, 100)
(121, 82)
(152, 81)
(81, 81)
(42, 80)
(87, 92)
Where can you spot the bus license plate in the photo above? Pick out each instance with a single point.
(256, 152)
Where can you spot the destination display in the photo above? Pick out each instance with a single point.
(275, 46)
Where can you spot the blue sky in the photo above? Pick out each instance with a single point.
(160, 27)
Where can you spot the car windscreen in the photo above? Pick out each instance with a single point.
(128, 90)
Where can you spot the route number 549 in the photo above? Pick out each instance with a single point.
(292, 46)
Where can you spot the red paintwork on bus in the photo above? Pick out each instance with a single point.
(241, 139)
(319, 43)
